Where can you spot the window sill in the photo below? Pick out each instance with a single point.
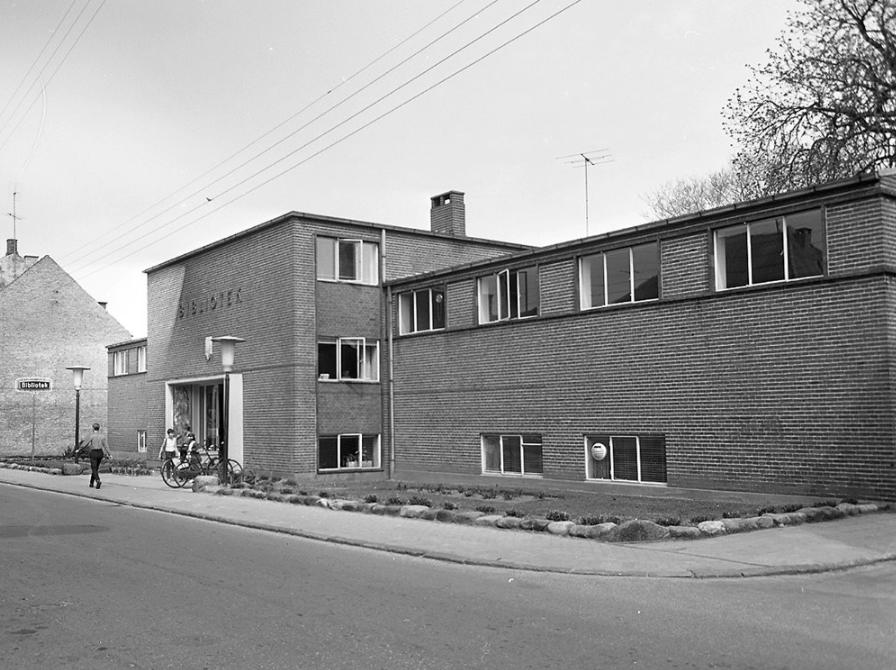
(330, 380)
(514, 475)
(355, 282)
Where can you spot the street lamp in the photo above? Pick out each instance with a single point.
(77, 378)
(228, 346)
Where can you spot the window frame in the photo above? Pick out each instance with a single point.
(141, 441)
(523, 443)
(590, 439)
(405, 328)
(632, 275)
(509, 302)
(119, 363)
(366, 260)
(368, 366)
(720, 263)
(141, 359)
(376, 462)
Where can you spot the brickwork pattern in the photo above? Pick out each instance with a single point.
(686, 265)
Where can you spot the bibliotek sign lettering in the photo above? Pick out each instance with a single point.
(33, 385)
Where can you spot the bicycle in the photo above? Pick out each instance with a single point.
(176, 474)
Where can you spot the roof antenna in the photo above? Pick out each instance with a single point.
(13, 214)
(587, 159)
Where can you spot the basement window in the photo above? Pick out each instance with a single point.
(628, 458)
(512, 454)
(348, 451)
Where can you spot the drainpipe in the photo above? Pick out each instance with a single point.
(390, 462)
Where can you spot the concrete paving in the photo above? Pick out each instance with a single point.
(817, 547)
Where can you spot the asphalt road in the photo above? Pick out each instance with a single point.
(96, 585)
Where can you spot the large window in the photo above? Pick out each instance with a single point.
(348, 359)
(778, 249)
(119, 363)
(512, 454)
(348, 452)
(619, 276)
(421, 310)
(633, 458)
(509, 294)
(341, 260)
(141, 359)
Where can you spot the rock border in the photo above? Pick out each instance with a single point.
(633, 530)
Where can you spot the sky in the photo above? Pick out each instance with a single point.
(132, 131)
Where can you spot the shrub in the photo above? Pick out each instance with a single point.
(395, 500)
(700, 518)
(468, 492)
(540, 495)
(323, 494)
(485, 509)
(489, 494)
(449, 505)
(370, 498)
(289, 482)
(287, 490)
(790, 508)
(420, 500)
(850, 501)
(728, 515)
(669, 521)
(509, 495)
(768, 509)
(825, 503)
(515, 512)
(557, 515)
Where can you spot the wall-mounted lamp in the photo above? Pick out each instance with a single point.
(228, 345)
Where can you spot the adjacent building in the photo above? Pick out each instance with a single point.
(47, 324)
(750, 347)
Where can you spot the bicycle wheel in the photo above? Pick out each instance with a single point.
(230, 472)
(169, 475)
(183, 473)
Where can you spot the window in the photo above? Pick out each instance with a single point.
(509, 294)
(348, 452)
(635, 458)
(512, 454)
(619, 276)
(770, 250)
(141, 441)
(349, 359)
(347, 260)
(421, 310)
(141, 359)
(120, 363)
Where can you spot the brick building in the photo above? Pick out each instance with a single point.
(748, 347)
(48, 323)
(308, 391)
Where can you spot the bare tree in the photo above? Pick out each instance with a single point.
(695, 194)
(823, 106)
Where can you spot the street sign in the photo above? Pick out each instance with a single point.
(33, 385)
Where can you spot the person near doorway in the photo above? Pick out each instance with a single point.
(169, 446)
(97, 448)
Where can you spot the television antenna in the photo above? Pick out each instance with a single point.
(587, 159)
(13, 214)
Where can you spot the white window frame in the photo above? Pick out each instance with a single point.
(368, 366)
(366, 260)
(585, 287)
(141, 359)
(119, 363)
(405, 315)
(377, 462)
(591, 439)
(720, 262)
(523, 444)
(501, 280)
(141, 441)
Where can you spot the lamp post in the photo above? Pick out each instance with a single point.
(77, 379)
(228, 346)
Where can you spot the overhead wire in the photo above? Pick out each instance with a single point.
(53, 34)
(83, 261)
(353, 132)
(56, 69)
(239, 151)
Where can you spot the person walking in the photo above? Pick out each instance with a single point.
(97, 449)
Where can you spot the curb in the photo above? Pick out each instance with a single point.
(462, 560)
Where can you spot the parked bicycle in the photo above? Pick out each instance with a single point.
(200, 461)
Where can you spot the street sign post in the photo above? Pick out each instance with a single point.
(33, 384)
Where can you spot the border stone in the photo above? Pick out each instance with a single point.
(637, 530)
(711, 528)
(533, 523)
(412, 511)
(684, 532)
(560, 527)
(508, 522)
(487, 520)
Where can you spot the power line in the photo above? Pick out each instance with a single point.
(56, 69)
(83, 261)
(356, 131)
(293, 116)
(53, 34)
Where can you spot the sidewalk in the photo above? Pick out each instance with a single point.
(816, 547)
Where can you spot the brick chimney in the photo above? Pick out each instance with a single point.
(12, 247)
(447, 215)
